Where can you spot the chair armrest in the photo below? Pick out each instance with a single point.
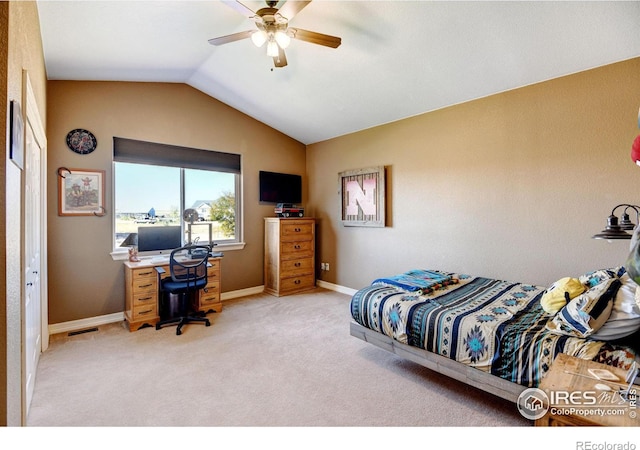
(160, 270)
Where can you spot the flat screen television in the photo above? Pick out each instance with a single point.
(280, 187)
(159, 240)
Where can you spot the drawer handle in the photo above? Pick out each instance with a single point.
(297, 230)
(297, 247)
(144, 299)
(297, 264)
(145, 285)
(296, 282)
(205, 289)
(145, 273)
(145, 312)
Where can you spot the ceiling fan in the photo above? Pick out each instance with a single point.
(273, 29)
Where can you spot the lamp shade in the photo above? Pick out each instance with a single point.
(612, 230)
(635, 150)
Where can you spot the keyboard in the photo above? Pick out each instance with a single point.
(159, 260)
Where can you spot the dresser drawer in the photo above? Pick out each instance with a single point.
(296, 231)
(297, 283)
(294, 267)
(296, 249)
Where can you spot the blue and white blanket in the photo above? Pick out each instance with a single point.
(493, 325)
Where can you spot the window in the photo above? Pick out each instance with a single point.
(156, 183)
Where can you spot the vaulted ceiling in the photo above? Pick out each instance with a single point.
(397, 59)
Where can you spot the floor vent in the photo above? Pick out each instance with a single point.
(88, 330)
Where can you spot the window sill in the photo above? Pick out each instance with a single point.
(123, 255)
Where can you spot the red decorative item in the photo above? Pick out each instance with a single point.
(635, 150)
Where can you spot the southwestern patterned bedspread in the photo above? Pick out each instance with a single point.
(493, 325)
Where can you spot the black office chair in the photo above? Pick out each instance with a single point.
(188, 274)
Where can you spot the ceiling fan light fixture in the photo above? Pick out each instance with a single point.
(259, 38)
(282, 39)
(272, 48)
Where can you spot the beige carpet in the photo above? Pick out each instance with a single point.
(263, 362)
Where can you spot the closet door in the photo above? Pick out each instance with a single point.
(34, 275)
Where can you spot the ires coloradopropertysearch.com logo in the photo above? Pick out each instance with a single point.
(533, 403)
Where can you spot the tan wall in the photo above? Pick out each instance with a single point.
(20, 49)
(511, 186)
(84, 281)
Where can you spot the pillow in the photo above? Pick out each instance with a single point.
(625, 315)
(587, 313)
(592, 279)
(560, 292)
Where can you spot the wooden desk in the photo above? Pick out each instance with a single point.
(142, 302)
(570, 374)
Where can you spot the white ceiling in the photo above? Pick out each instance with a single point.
(397, 58)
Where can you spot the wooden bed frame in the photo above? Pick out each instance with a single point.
(453, 369)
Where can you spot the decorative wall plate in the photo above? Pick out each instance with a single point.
(81, 141)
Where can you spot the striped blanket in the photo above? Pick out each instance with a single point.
(492, 325)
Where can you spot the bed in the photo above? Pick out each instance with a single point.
(497, 335)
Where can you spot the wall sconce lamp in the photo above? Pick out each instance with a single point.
(617, 229)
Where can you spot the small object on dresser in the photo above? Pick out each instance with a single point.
(288, 210)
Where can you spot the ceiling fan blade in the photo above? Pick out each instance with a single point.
(281, 59)
(292, 7)
(231, 37)
(315, 38)
(239, 7)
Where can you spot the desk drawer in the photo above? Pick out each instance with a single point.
(212, 288)
(144, 312)
(213, 275)
(142, 285)
(145, 273)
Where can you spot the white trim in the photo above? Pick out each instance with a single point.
(242, 293)
(89, 322)
(336, 287)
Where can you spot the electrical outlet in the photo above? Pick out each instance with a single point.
(326, 266)
(323, 266)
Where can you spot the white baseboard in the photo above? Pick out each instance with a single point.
(242, 293)
(90, 322)
(335, 287)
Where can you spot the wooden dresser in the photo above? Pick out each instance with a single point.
(289, 255)
(141, 292)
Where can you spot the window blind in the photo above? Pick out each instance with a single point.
(142, 152)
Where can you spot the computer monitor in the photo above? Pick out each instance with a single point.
(159, 240)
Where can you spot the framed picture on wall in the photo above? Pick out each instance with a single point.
(81, 192)
(362, 197)
(16, 135)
